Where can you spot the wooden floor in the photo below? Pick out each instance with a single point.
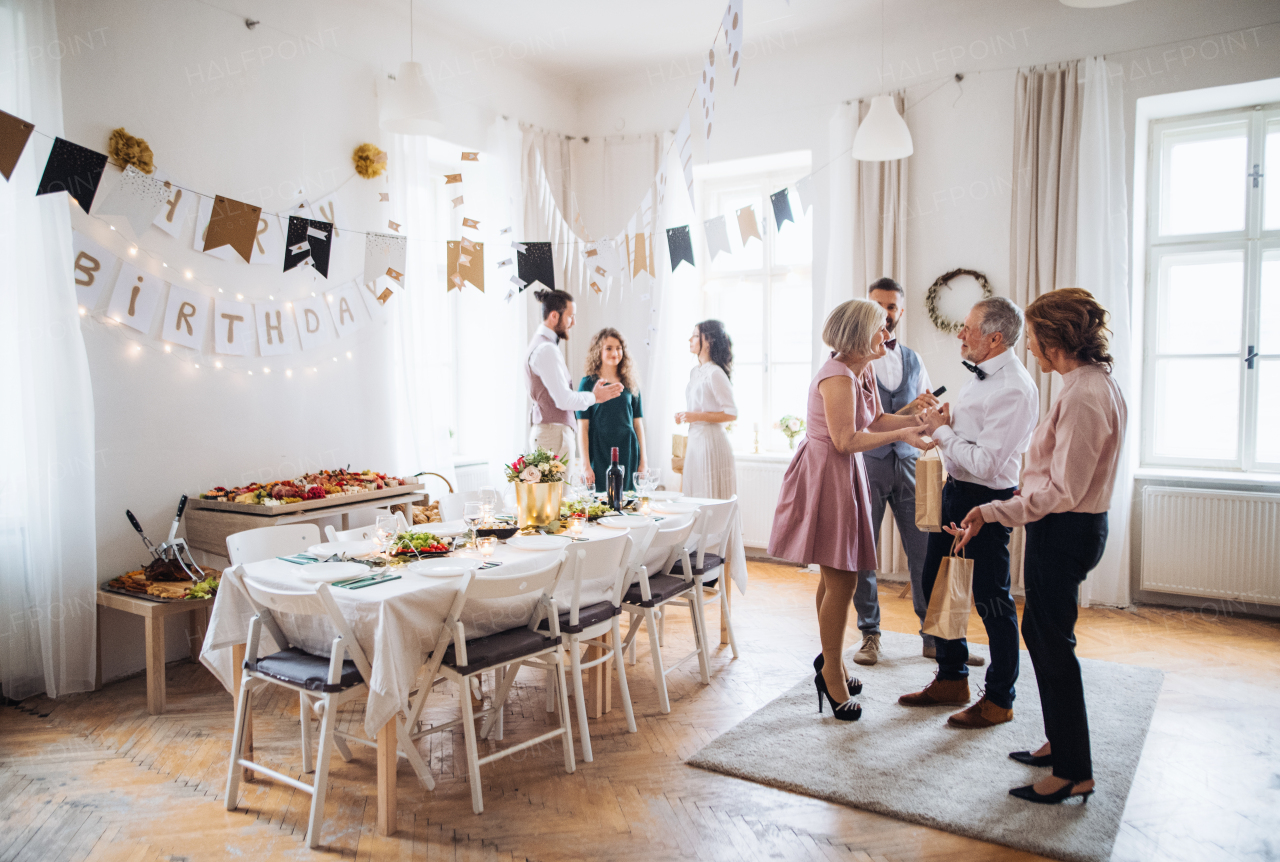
(95, 777)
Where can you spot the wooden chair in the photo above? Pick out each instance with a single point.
(651, 593)
(460, 659)
(323, 686)
(708, 552)
(250, 546)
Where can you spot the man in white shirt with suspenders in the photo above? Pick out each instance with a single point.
(551, 391)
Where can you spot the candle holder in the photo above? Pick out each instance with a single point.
(644, 507)
(486, 544)
(575, 526)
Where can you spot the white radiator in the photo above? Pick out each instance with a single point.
(759, 481)
(472, 476)
(1217, 544)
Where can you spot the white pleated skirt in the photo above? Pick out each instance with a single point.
(709, 468)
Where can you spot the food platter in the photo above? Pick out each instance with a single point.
(306, 505)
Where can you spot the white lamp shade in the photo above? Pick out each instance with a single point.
(408, 105)
(883, 135)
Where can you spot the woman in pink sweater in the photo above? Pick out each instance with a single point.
(1066, 491)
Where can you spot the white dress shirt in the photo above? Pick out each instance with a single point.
(888, 370)
(547, 362)
(991, 424)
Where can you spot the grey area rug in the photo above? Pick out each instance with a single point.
(908, 764)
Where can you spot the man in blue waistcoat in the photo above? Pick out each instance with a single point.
(891, 472)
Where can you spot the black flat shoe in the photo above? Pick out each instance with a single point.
(847, 711)
(1029, 793)
(1030, 759)
(854, 684)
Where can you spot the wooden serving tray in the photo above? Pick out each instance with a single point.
(304, 505)
(146, 597)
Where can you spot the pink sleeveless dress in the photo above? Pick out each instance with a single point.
(824, 508)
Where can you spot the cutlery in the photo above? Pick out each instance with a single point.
(368, 582)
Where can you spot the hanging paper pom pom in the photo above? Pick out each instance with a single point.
(370, 161)
(128, 150)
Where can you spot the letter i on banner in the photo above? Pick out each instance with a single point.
(94, 267)
(134, 298)
(186, 317)
(234, 333)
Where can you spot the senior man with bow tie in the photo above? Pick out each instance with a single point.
(982, 446)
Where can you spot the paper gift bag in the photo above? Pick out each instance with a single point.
(951, 599)
(679, 442)
(931, 475)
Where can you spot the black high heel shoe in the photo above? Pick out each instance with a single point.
(847, 711)
(854, 684)
(1030, 759)
(1062, 793)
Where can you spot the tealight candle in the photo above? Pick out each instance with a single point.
(486, 545)
(644, 506)
(575, 526)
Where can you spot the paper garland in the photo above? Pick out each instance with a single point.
(232, 223)
(138, 197)
(92, 269)
(459, 271)
(717, 236)
(679, 245)
(73, 169)
(308, 238)
(382, 252)
(14, 133)
(134, 298)
(732, 25)
(781, 208)
(804, 187)
(186, 317)
(534, 263)
(747, 224)
(706, 95)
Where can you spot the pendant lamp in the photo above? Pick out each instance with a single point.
(883, 135)
(1093, 4)
(407, 105)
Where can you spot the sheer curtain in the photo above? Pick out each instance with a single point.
(1102, 267)
(48, 557)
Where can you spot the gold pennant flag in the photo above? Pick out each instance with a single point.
(471, 157)
(393, 225)
(471, 223)
(643, 260)
(14, 133)
(384, 296)
(595, 287)
(232, 223)
(395, 275)
(747, 224)
(450, 179)
(471, 271)
(383, 196)
(457, 202)
(591, 252)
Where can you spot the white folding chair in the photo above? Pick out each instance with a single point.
(451, 505)
(708, 550)
(601, 562)
(250, 546)
(323, 686)
(459, 658)
(359, 534)
(651, 593)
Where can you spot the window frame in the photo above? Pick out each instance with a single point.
(1252, 240)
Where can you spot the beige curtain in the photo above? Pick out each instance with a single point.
(1048, 107)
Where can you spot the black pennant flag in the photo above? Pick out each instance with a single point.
(781, 208)
(73, 169)
(680, 246)
(535, 264)
(308, 238)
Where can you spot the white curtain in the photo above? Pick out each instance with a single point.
(48, 557)
(1102, 267)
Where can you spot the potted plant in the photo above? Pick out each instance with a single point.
(792, 426)
(539, 480)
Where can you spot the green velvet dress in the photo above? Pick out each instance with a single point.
(612, 425)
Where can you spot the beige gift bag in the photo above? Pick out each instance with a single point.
(952, 598)
(679, 442)
(931, 475)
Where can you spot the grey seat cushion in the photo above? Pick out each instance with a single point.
(661, 588)
(298, 667)
(710, 563)
(493, 650)
(587, 617)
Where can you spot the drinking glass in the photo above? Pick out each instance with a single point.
(471, 515)
(385, 530)
(489, 496)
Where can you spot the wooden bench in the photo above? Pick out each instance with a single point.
(153, 615)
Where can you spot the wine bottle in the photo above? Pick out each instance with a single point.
(613, 481)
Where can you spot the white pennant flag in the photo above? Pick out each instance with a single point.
(383, 250)
(134, 298)
(268, 245)
(136, 196)
(186, 317)
(233, 330)
(173, 214)
(717, 236)
(347, 309)
(315, 326)
(804, 186)
(94, 267)
(684, 150)
(277, 333)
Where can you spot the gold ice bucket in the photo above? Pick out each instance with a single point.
(538, 504)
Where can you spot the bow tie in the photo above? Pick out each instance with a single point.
(982, 375)
(891, 344)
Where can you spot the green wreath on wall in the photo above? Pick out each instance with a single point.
(931, 298)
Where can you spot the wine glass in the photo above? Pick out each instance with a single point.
(385, 530)
(490, 502)
(471, 515)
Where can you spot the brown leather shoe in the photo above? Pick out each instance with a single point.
(982, 714)
(940, 692)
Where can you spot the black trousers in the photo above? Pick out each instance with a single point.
(989, 551)
(1061, 550)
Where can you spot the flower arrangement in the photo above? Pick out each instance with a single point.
(792, 427)
(538, 466)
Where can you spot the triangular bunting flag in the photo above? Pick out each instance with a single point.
(684, 149)
(136, 196)
(318, 238)
(781, 208)
(470, 270)
(534, 263)
(382, 251)
(73, 169)
(235, 224)
(804, 187)
(717, 236)
(14, 133)
(747, 224)
(679, 245)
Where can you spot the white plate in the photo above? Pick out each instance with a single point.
(538, 543)
(330, 572)
(624, 522)
(325, 550)
(443, 529)
(665, 495)
(670, 508)
(444, 567)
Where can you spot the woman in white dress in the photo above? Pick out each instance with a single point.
(708, 461)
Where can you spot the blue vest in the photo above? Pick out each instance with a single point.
(892, 402)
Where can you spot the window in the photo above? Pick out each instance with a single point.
(1212, 369)
(763, 293)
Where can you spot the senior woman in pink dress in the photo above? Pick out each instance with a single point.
(824, 508)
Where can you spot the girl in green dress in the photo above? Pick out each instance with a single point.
(615, 422)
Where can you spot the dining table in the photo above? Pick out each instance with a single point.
(396, 623)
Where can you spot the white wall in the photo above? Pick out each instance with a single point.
(258, 115)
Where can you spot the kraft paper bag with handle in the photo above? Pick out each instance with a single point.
(931, 475)
(952, 598)
(679, 442)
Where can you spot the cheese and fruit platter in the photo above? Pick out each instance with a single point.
(306, 492)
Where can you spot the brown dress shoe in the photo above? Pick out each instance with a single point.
(940, 692)
(984, 713)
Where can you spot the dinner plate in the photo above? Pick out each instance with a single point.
(445, 567)
(442, 529)
(330, 572)
(665, 495)
(624, 522)
(668, 507)
(356, 548)
(538, 543)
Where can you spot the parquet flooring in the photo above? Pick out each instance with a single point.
(94, 777)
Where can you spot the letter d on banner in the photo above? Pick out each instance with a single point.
(315, 327)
